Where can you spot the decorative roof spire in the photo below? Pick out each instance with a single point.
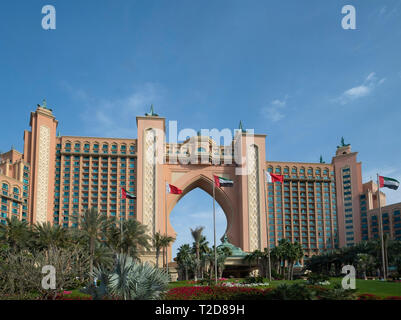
(343, 144)
(44, 105)
(151, 113)
(240, 126)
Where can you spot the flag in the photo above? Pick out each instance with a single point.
(126, 194)
(222, 182)
(173, 189)
(274, 177)
(389, 183)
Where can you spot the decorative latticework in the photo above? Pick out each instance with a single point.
(149, 181)
(253, 197)
(43, 174)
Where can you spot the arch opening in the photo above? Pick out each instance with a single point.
(195, 209)
(203, 202)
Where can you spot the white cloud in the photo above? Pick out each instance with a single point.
(275, 110)
(115, 117)
(370, 83)
(383, 10)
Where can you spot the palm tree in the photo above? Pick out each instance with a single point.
(14, 233)
(130, 280)
(365, 262)
(133, 239)
(255, 257)
(203, 250)
(184, 258)
(166, 241)
(222, 255)
(197, 235)
(50, 236)
(294, 253)
(103, 256)
(92, 226)
(161, 242)
(157, 245)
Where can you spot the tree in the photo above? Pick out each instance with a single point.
(14, 233)
(161, 242)
(166, 241)
(157, 245)
(203, 250)
(92, 226)
(184, 258)
(133, 239)
(365, 263)
(129, 280)
(222, 255)
(21, 273)
(294, 253)
(256, 257)
(50, 236)
(197, 235)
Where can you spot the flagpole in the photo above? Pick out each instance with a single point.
(165, 217)
(267, 228)
(381, 227)
(214, 230)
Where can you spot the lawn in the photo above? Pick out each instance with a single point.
(376, 287)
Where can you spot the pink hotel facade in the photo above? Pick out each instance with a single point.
(322, 206)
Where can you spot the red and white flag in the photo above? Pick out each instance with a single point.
(173, 189)
(274, 177)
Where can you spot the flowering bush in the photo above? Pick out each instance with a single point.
(216, 293)
(368, 296)
(238, 284)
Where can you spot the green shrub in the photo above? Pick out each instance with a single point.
(296, 291)
(315, 278)
(276, 275)
(251, 280)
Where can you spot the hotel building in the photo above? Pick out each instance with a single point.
(320, 205)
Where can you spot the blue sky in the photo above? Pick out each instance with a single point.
(285, 68)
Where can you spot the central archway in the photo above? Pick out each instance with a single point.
(225, 197)
(193, 210)
(160, 162)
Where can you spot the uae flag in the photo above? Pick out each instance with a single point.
(126, 194)
(173, 189)
(274, 177)
(388, 182)
(222, 182)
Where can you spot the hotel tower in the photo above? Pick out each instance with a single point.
(320, 205)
